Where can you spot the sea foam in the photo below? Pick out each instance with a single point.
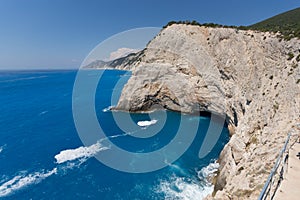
(179, 188)
(78, 153)
(209, 170)
(184, 189)
(21, 181)
(107, 109)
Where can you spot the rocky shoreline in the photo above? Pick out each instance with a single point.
(252, 78)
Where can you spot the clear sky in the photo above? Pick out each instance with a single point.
(60, 33)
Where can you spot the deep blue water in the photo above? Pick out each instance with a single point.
(36, 124)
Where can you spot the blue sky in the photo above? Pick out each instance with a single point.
(60, 33)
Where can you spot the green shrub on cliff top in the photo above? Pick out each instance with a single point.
(288, 24)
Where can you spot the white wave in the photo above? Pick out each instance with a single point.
(79, 153)
(146, 123)
(184, 189)
(21, 181)
(179, 188)
(107, 109)
(209, 170)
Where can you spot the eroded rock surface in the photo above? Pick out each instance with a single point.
(248, 76)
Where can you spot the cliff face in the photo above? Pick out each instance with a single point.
(250, 77)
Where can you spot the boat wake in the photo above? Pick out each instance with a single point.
(66, 160)
(146, 123)
(175, 187)
(79, 153)
(23, 180)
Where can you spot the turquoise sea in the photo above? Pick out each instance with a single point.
(42, 156)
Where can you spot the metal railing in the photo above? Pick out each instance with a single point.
(273, 181)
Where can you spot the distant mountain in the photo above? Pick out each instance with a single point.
(288, 24)
(98, 64)
(114, 64)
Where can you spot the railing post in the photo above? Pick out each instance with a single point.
(268, 185)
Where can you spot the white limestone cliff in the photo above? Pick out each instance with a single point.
(247, 76)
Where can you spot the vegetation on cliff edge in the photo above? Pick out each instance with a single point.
(287, 23)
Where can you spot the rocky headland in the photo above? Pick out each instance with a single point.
(252, 78)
